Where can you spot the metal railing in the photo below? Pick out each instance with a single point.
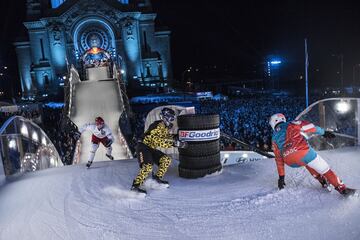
(340, 115)
(246, 146)
(125, 111)
(74, 78)
(25, 147)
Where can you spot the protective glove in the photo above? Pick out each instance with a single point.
(77, 135)
(183, 144)
(329, 135)
(281, 182)
(109, 142)
(176, 137)
(180, 144)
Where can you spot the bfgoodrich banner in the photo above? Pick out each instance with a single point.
(199, 135)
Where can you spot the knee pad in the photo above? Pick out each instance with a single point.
(94, 147)
(164, 163)
(319, 165)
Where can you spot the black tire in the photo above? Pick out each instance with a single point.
(198, 122)
(199, 162)
(199, 149)
(189, 173)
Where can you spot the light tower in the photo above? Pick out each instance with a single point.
(272, 72)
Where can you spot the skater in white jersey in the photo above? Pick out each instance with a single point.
(101, 133)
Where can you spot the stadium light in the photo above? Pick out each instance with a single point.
(275, 62)
(342, 107)
(35, 136)
(12, 144)
(24, 130)
(43, 141)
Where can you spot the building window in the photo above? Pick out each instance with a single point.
(46, 81)
(56, 3)
(148, 71)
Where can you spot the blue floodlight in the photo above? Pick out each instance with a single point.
(56, 3)
(275, 62)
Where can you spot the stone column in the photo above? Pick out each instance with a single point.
(24, 64)
(57, 48)
(131, 40)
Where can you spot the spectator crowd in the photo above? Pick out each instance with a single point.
(34, 115)
(61, 131)
(243, 118)
(247, 119)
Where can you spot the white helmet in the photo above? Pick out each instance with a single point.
(276, 119)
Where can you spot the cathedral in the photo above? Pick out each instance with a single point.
(88, 34)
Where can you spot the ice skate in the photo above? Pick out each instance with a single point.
(109, 156)
(347, 192)
(324, 183)
(137, 188)
(160, 180)
(88, 164)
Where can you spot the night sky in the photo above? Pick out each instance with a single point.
(242, 35)
(238, 37)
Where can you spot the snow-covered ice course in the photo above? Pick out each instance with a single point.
(93, 99)
(242, 202)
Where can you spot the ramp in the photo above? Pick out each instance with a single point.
(241, 203)
(98, 98)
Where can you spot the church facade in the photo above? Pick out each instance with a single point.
(62, 33)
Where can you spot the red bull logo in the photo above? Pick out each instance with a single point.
(199, 135)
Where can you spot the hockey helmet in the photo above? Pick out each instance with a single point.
(276, 119)
(99, 122)
(167, 115)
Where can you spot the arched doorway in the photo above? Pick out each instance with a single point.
(93, 32)
(96, 57)
(95, 48)
(97, 64)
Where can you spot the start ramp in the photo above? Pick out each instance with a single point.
(98, 98)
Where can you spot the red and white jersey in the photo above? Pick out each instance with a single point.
(99, 133)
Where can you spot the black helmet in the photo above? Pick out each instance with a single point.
(168, 116)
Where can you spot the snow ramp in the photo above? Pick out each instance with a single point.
(242, 202)
(98, 98)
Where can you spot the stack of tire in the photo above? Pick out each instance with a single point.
(202, 156)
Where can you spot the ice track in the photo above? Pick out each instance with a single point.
(242, 203)
(92, 99)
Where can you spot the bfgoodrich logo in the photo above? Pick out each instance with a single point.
(202, 135)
